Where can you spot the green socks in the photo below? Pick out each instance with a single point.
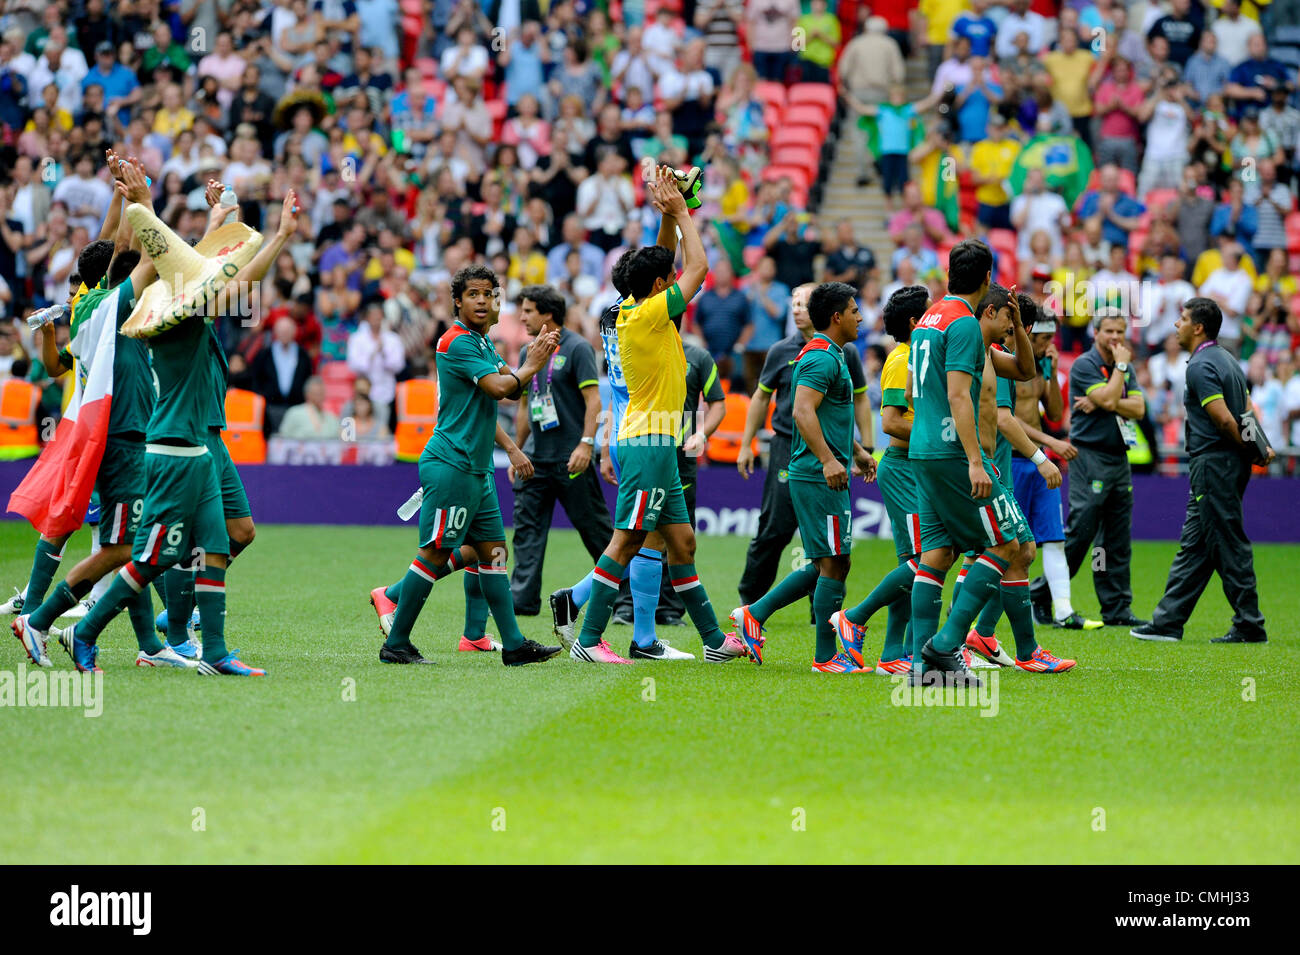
(604, 589)
(686, 584)
(1015, 601)
(927, 598)
(178, 587)
(410, 593)
(127, 583)
(896, 628)
(454, 563)
(476, 607)
(140, 610)
(210, 595)
(981, 582)
(989, 616)
(796, 585)
(44, 566)
(495, 583)
(828, 597)
(60, 602)
(897, 583)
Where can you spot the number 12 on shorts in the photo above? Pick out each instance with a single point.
(644, 502)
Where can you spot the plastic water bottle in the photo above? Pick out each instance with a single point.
(407, 510)
(228, 198)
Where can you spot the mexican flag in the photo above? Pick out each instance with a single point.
(56, 491)
(1064, 160)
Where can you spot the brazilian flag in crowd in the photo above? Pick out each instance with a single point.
(1065, 161)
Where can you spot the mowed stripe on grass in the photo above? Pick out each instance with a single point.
(471, 761)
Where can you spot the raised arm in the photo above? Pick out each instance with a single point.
(668, 199)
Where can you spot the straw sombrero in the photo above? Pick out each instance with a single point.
(187, 277)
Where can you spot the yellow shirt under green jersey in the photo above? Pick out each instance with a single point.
(893, 381)
(654, 364)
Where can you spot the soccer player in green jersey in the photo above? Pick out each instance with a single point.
(898, 491)
(182, 513)
(1000, 432)
(822, 454)
(460, 504)
(962, 507)
(178, 583)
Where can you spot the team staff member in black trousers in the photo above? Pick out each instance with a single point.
(1106, 405)
(1214, 537)
(776, 521)
(701, 382)
(556, 428)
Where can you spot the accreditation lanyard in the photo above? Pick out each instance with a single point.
(542, 406)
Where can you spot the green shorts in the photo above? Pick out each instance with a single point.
(182, 517)
(649, 485)
(234, 500)
(458, 507)
(898, 490)
(825, 518)
(950, 517)
(120, 486)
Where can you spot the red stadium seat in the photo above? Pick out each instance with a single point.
(790, 136)
(807, 158)
(1002, 240)
(771, 94)
(1159, 198)
(818, 94)
(799, 178)
(1293, 233)
(338, 379)
(807, 115)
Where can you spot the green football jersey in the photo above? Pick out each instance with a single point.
(184, 370)
(134, 391)
(821, 366)
(1002, 448)
(220, 379)
(947, 338)
(467, 417)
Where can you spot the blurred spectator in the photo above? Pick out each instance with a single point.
(605, 200)
(1235, 218)
(636, 67)
(366, 425)
(1119, 100)
(1206, 70)
(770, 26)
(467, 58)
(1195, 211)
(309, 420)
(914, 210)
(792, 244)
(821, 40)
(61, 65)
(1118, 212)
(336, 310)
(1038, 209)
(85, 195)
(977, 27)
(722, 313)
(913, 249)
(590, 257)
(1181, 28)
(991, 162)
(719, 21)
(975, 101)
(847, 260)
(1233, 32)
(1272, 203)
(1168, 368)
(1070, 66)
(1021, 20)
(1282, 121)
(1164, 306)
(280, 372)
(769, 301)
(1169, 120)
(1230, 285)
(1251, 80)
(688, 93)
(377, 353)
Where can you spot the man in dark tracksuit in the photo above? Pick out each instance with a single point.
(1106, 405)
(556, 427)
(776, 520)
(701, 382)
(1214, 536)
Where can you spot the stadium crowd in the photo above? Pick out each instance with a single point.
(422, 135)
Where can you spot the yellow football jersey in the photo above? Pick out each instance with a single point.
(893, 380)
(654, 364)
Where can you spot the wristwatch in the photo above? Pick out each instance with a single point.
(590, 441)
(1121, 366)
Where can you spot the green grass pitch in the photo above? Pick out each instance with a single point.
(1145, 753)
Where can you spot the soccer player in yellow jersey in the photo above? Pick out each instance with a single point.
(650, 489)
(898, 491)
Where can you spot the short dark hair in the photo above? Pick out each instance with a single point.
(969, 263)
(123, 265)
(827, 299)
(1029, 310)
(471, 273)
(1206, 313)
(996, 296)
(903, 306)
(649, 263)
(547, 300)
(618, 274)
(93, 261)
